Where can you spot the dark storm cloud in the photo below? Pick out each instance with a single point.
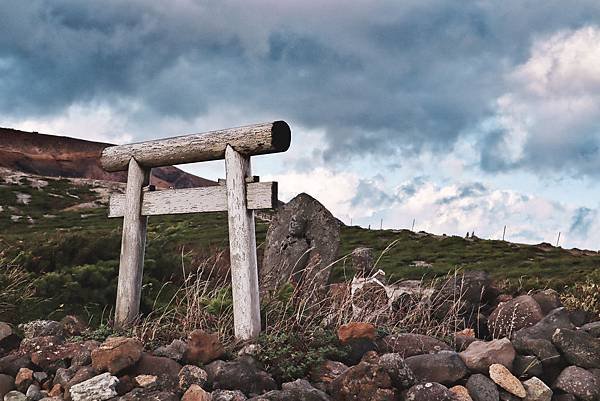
(393, 78)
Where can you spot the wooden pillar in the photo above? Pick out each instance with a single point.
(242, 245)
(133, 244)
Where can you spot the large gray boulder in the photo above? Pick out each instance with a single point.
(445, 367)
(578, 347)
(302, 242)
(577, 381)
(243, 374)
(516, 314)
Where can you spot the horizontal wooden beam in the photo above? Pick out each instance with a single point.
(260, 195)
(250, 140)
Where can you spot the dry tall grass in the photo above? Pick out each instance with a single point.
(17, 289)
(305, 307)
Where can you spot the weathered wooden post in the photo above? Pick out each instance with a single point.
(131, 263)
(242, 246)
(240, 197)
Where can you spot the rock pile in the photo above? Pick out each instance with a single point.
(534, 350)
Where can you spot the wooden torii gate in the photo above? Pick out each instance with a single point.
(240, 196)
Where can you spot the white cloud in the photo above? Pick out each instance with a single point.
(334, 189)
(442, 208)
(549, 117)
(92, 122)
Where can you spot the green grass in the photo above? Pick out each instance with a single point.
(73, 257)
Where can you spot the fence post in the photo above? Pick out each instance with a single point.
(133, 244)
(242, 246)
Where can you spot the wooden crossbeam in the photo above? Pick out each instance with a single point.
(257, 139)
(259, 195)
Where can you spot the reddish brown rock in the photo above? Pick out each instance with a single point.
(516, 314)
(203, 348)
(481, 354)
(24, 379)
(461, 393)
(116, 354)
(327, 372)
(196, 393)
(57, 356)
(29, 345)
(365, 381)
(55, 391)
(156, 366)
(355, 331)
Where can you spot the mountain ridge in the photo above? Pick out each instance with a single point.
(63, 156)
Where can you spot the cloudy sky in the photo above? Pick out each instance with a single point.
(461, 115)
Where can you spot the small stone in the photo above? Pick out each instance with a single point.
(175, 350)
(191, 374)
(73, 325)
(502, 377)
(250, 349)
(203, 348)
(401, 375)
(463, 339)
(537, 390)
(327, 372)
(355, 331)
(15, 396)
(429, 392)
(145, 380)
(98, 388)
(116, 354)
(55, 391)
(24, 379)
(34, 393)
(42, 328)
(481, 354)
(196, 393)
(461, 393)
(228, 395)
(40, 376)
(365, 381)
(481, 388)
(62, 376)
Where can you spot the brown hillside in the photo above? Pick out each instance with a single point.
(60, 156)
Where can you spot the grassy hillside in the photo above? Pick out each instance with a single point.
(58, 231)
